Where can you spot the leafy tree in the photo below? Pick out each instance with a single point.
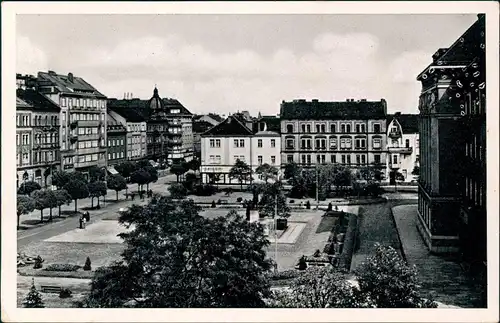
(62, 197)
(267, 204)
(319, 287)
(97, 174)
(29, 187)
(41, 199)
(33, 298)
(291, 171)
(25, 205)
(176, 258)
(153, 175)
(342, 178)
(241, 171)
(141, 177)
(77, 189)
(117, 183)
(51, 199)
(267, 172)
(60, 178)
(177, 191)
(126, 168)
(88, 264)
(195, 164)
(389, 282)
(178, 170)
(96, 190)
(416, 171)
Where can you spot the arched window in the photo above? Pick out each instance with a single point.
(46, 120)
(323, 128)
(289, 128)
(348, 128)
(333, 128)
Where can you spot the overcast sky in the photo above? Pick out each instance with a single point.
(224, 63)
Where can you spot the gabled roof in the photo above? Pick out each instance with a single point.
(229, 127)
(69, 84)
(36, 100)
(409, 122)
(131, 110)
(463, 50)
(201, 126)
(343, 110)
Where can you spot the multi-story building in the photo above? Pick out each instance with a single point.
(402, 147)
(128, 113)
(38, 136)
(351, 133)
(169, 129)
(237, 137)
(452, 185)
(200, 126)
(117, 141)
(83, 120)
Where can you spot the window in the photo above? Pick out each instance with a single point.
(407, 143)
(333, 143)
(348, 159)
(318, 159)
(323, 159)
(259, 160)
(318, 128)
(290, 143)
(303, 128)
(289, 128)
(394, 159)
(242, 143)
(363, 159)
(363, 127)
(17, 139)
(343, 159)
(273, 143)
(323, 128)
(217, 159)
(358, 159)
(308, 128)
(332, 128)
(235, 159)
(377, 143)
(377, 158)
(212, 143)
(289, 159)
(309, 159)
(259, 143)
(303, 159)
(358, 127)
(342, 128)
(273, 160)
(376, 127)
(348, 128)
(333, 158)
(217, 143)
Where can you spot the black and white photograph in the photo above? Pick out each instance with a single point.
(241, 159)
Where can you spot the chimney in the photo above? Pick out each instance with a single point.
(70, 77)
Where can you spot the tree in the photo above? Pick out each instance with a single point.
(97, 174)
(241, 171)
(176, 258)
(319, 287)
(153, 175)
(178, 170)
(267, 205)
(77, 189)
(117, 183)
(141, 177)
(195, 164)
(190, 181)
(96, 190)
(267, 172)
(291, 171)
(51, 199)
(60, 178)
(389, 282)
(416, 171)
(41, 200)
(88, 264)
(25, 205)
(33, 298)
(342, 178)
(62, 197)
(29, 187)
(126, 168)
(177, 191)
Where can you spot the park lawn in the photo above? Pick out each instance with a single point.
(98, 232)
(101, 254)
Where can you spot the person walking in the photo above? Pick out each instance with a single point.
(81, 221)
(84, 222)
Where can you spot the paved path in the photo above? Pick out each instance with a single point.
(51, 229)
(442, 278)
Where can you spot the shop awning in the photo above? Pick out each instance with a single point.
(112, 170)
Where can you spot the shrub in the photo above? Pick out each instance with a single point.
(87, 265)
(38, 262)
(213, 204)
(178, 191)
(286, 274)
(62, 267)
(326, 249)
(308, 205)
(302, 263)
(317, 253)
(65, 293)
(204, 190)
(239, 199)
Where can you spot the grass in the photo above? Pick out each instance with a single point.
(101, 254)
(80, 274)
(99, 232)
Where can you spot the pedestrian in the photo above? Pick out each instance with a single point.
(84, 222)
(88, 216)
(81, 221)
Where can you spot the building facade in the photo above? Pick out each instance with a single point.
(83, 120)
(350, 133)
(452, 185)
(402, 148)
(237, 137)
(131, 114)
(38, 138)
(117, 141)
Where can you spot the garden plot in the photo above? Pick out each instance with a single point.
(99, 232)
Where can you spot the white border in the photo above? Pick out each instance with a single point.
(8, 305)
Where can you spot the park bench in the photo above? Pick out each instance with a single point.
(50, 289)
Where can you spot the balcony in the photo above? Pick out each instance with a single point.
(401, 150)
(89, 123)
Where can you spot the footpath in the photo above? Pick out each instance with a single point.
(441, 278)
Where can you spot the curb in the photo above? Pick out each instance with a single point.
(403, 254)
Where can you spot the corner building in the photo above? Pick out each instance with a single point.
(350, 133)
(452, 186)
